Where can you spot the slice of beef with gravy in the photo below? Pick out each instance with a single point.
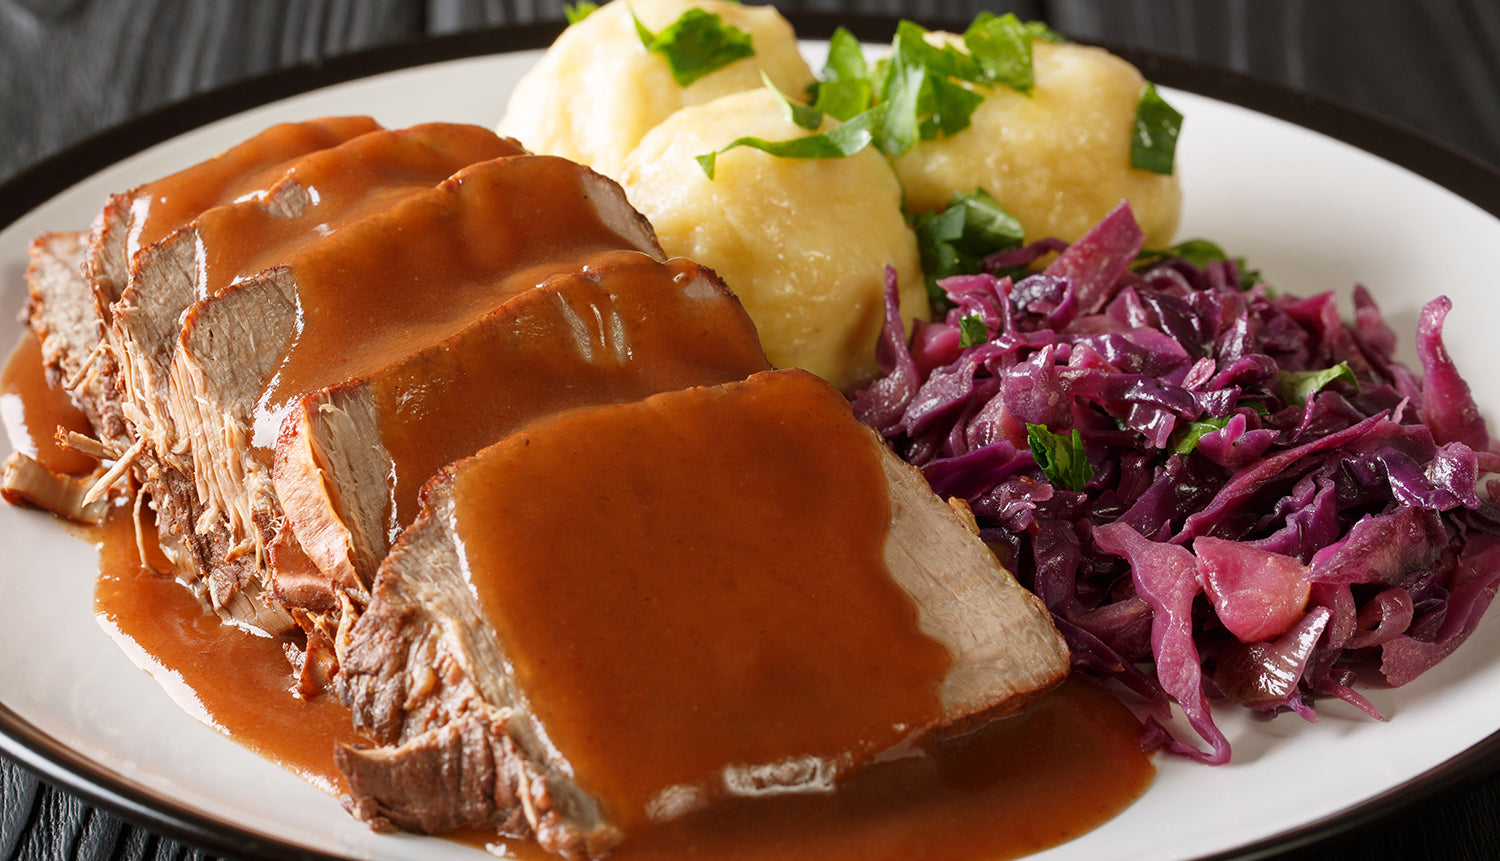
(352, 458)
(622, 614)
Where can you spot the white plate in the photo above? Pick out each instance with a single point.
(1313, 213)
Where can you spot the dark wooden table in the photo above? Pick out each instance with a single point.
(71, 68)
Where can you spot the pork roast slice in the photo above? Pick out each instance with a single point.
(367, 295)
(352, 458)
(477, 706)
(300, 199)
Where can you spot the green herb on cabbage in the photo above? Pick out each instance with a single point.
(1060, 457)
(1186, 437)
(1296, 387)
(972, 331)
(1199, 253)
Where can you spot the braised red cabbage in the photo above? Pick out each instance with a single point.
(1271, 502)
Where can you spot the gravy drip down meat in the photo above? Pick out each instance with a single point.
(39, 411)
(40, 471)
(525, 496)
(167, 632)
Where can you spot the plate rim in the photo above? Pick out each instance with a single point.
(59, 765)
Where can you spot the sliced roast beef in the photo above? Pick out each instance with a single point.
(658, 576)
(352, 458)
(155, 250)
(360, 298)
(296, 202)
(146, 214)
(61, 311)
(140, 217)
(621, 614)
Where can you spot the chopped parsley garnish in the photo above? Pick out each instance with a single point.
(576, 12)
(920, 92)
(846, 61)
(845, 90)
(1295, 387)
(956, 240)
(972, 332)
(1001, 45)
(696, 44)
(1061, 458)
(1153, 145)
(900, 98)
(948, 109)
(801, 115)
(1199, 252)
(840, 142)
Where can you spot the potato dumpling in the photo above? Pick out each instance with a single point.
(597, 90)
(803, 242)
(1058, 160)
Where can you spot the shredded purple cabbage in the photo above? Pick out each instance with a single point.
(1234, 542)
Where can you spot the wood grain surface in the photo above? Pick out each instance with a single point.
(70, 69)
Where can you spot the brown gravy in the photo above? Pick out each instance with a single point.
(1066, 765)
(242, 684)
(33, 411)
(342, 184)
(630, 557)
(249, 168)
